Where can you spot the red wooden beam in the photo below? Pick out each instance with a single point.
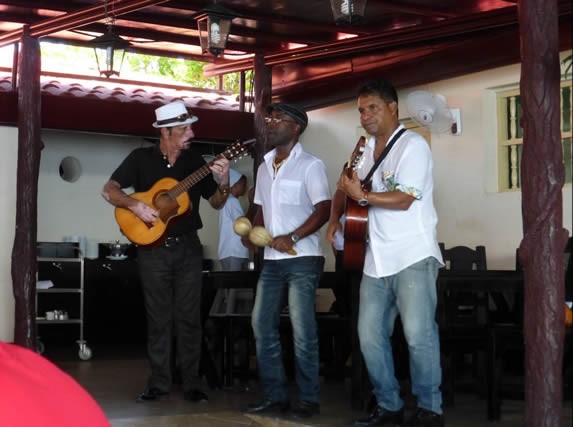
(76, 19)
(456, 27)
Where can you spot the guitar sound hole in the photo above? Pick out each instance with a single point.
(166, 206)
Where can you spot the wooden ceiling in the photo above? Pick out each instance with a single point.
(315, 62)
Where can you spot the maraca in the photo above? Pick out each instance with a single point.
(259, 236)
(242, 226)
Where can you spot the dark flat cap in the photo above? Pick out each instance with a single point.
(295, 113)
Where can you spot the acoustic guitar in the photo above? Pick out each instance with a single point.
(356, 225)
(170, 198)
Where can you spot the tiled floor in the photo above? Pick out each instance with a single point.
(115, 381)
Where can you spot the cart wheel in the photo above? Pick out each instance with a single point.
(85, 353)
(40, 347)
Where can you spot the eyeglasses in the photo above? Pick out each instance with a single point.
(277, 120)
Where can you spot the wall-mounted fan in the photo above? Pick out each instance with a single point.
(431, 111)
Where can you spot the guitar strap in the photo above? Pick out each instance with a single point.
(384, 154)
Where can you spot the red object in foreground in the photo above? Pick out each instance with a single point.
(37, 393)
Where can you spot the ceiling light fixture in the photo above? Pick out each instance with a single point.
(214, 25)
(109, 48)
(348, 11)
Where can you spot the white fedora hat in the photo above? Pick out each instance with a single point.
(173, 114)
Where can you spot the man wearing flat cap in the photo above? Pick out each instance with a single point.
(171, 268)
(292, 197)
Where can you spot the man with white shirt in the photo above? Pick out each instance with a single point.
(233, 255)
(293, 199)
(402, 259)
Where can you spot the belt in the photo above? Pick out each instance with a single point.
(172, 241)
(175, 240)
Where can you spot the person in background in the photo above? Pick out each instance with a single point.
(342, 306)
(35, 392)
(171, 272)
(402, 260)
(233, 255)
(293, 197)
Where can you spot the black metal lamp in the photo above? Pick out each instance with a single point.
(348, 11)
(110, 51)
(214, 25)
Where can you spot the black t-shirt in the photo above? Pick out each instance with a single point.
(143, 167)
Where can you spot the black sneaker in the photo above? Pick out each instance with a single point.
(195, 396)
(152, 394)
(424, 418)
(305, 409)
(381, 417)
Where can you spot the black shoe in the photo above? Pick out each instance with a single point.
(195, 396)
(305, 409)
(268, 405)
(425, 418)
(152, 394)
(381, 417)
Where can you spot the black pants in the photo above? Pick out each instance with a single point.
(171, 278)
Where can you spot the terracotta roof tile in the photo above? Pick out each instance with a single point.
(129, 93)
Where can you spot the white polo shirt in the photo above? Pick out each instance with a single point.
(398, 238)
(288, 199)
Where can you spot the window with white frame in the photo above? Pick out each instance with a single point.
(510, 136)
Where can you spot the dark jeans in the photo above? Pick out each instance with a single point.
(171, 278)
(298, 278)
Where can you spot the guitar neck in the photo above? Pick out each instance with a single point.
(190, 181)
(230, 153)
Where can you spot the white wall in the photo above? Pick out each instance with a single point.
(77, 208)
(8, 163)
(470, 213)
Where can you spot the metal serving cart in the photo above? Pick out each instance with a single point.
(60, 291)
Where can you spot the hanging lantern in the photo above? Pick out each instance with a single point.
(348, 11)
(110, 51)
(214, 25)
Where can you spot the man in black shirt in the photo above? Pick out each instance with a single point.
(170, 268)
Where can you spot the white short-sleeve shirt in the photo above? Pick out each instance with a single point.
(398, 238)
(288, 199)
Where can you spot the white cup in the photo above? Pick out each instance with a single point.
(50, 315)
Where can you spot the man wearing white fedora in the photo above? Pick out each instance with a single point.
(171, 270)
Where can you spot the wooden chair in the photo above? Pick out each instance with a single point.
(462, 317)
(507, 347)
(464, 258)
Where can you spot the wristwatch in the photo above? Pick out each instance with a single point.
(294, 237)
(364, 200)
(224, 190)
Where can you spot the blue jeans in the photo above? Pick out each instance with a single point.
(296, 279)
(412, 294)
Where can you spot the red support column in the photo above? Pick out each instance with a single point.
(542, 178)
(29, 147)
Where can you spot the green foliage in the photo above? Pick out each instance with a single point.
(182, 71)
(142, 67)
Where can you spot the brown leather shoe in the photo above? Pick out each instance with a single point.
(195, 396)
(268, 405)
(381, 417)
(305, 409)
(152, 394)
(425, 418)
